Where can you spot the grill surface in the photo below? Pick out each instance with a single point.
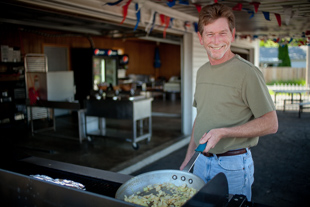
(94, 185)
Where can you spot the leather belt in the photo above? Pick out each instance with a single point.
(228, 153)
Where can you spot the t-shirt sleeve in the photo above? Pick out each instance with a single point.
(256, 94)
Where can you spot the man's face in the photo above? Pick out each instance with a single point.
(217, 38)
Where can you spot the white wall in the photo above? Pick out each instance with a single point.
(248, 44)
(200, 57)
(193, 56)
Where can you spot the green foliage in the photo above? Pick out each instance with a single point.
(284, 56)
(284, 41)
(268, 43)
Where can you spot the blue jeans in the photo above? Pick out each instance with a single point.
(239, 171)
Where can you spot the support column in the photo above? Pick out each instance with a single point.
(308, 66)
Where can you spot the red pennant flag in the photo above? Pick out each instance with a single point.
(238, 7)
(278, 19)
(162, 19)
(256, 5)
(301, 43)
(198, 7)
(125, 10)
(276, 40)
(167, 22)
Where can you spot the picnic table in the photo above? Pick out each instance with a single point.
(302, 105)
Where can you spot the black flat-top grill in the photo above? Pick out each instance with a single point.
(19, 188)
(94, 185)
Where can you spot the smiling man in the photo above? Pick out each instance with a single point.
(233, 105)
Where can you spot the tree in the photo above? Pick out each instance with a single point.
(284, 56)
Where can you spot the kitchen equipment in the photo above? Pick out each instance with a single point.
(213, 193)
(134, 108)
(177, 177)
(19, 188)
(93, 67)
(193, 159)
(43, 84)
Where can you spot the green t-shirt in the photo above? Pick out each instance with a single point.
(227, 95)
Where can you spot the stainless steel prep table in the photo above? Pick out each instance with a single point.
(132, 108)
(73, 106)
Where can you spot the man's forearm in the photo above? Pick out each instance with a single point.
(266, 124)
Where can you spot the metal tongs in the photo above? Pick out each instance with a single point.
(193, 159)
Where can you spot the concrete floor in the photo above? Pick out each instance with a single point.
(282, 160)
(113, 154)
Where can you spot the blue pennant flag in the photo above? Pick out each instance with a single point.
(267, 15)
(195, 26)
(249, 12)
(184, 2)
(114, 3)
(171, 3)
(138, 16)
(171, 22)
(153, 23)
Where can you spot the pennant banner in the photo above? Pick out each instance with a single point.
(114, 3)
(288, 13)
(195, 26)
(167, 22)
(278, 19)
(125, 10)
(238, 7)
(171, 22)
(162, 19)
(249, 12)
(256, 5)
(267, 15)
(153, 22)
(137, 15)
(198, 7)
(171, 3)
(150, 22)
(186, 24)
(184, 2)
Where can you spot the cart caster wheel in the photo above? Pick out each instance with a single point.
(135, 146)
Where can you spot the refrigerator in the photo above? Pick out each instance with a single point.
(92, 67)
(52, 86)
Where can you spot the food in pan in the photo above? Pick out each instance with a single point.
(162, 195)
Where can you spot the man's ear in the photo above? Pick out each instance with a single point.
(233, 35)
(200, 38)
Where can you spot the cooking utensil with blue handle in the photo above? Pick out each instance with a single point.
(193, 159)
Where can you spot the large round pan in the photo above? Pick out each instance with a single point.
(177, 177)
